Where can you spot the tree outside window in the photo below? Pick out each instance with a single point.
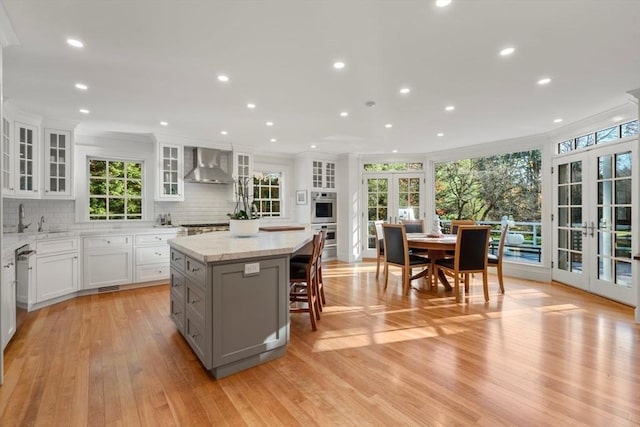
(115, 190)
(266, 193)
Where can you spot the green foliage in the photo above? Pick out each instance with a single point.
(397, 167)
(115, 189)
(245, 208)
(488, 188)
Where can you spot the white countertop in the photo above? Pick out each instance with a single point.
(221, 246)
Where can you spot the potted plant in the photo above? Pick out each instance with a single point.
(244, 221)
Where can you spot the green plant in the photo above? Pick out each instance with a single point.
(245, 208)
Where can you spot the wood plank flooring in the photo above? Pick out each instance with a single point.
(541, 355)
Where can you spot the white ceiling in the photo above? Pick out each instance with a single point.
(147, 61)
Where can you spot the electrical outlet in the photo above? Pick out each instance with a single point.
(253, 268)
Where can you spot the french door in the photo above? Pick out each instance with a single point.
(390, 197)
(595, 209)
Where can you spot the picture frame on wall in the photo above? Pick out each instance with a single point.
(301, 197)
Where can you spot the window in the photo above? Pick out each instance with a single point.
(600, 137)
(115, 190)
(266, 193)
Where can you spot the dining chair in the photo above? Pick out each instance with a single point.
(379, 246)
(396, 252)
(303, 258)
(470, 256)
(455, 223)
(413, 225)
(495, 261)
(303, 284)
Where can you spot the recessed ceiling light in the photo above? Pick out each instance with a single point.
(544, 81)
(223, 78)
(164, 123)
(450, 107)
(273, 140)
(269, 123)
(344, 114)
(338, 65)
(251, 106)
(223, 132)
(507, 51)
(394, 151)
(443, 3)
(75, 43)
(405, 90)
(84, 111)
(440, 134)
(388, 125)
(617, 119)
(313, 146)
(81, 86)
(557, 121)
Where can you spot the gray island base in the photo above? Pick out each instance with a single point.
(230, 296)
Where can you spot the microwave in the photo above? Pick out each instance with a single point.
(323, 207)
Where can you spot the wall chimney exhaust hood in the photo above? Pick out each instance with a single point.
(207, 166)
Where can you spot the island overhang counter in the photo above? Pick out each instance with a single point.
(230, 296)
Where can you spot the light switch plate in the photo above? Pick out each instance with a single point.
(253, 268)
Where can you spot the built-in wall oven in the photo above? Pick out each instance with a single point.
(323, 207)
(331, 242)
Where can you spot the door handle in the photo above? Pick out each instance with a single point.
(591, 229)
(584, 228)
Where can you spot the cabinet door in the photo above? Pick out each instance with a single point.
(107, 267)
(7, 153)
(170, 172)
(57, 163)
(56, 275)
(330, 175)
(317, 173)
(8, 300)
(26, 166)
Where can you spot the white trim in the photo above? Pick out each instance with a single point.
(8, 35)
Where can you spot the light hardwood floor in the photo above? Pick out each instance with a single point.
(542, 354)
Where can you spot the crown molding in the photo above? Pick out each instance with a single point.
(8, 35)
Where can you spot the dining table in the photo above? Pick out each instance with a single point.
(437, 247)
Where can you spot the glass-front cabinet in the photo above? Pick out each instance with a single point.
(26, 160)
(170, 172)
(57, 171)
(7, 159)
(323, 174)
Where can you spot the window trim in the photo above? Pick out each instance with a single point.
(110, 159)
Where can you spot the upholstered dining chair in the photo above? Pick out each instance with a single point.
(455, 223)
(379, 245)
(303, 284)
(396, 252)
(472, 248)
(413, 225)
(495, 261)
(303, 258)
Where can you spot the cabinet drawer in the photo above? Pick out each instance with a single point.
(177, 311)
(150, 239)
(152, 255)
(106, 241)
(178, 283)
(55, 246)
(195, 302)
(196, 271)
(194, 333)
(147, 273)
(177, 260)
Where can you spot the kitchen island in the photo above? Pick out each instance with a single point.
(230, 296)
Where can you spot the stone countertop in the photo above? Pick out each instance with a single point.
(221, 246)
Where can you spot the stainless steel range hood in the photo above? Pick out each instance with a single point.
(208, 166)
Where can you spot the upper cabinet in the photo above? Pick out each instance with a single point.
(7, 158)
(243, 165)
(26, 160)
(170, 185)
(57, 164)
(323, 174)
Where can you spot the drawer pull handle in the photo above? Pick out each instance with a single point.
(178, 258)
(175, 313)
(194, 336)
(8, 265)
(194, 269)
(195, 301)
(158, 253)
(175, 285)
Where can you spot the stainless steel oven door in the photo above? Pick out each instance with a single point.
(323, 207)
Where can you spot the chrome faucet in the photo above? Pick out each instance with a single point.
(21, 224)
(40, 223)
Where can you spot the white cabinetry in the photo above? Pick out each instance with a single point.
(26, 160)
(58, 150)
(7, 158)
(170, 186)
(152, 256)
(107, 261)
(323, 174)
(8, 298)
(56, 272)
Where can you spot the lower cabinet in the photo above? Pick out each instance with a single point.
(107, 261)
(56, 268)
(231, 319)
(8, 299)
(152, 255)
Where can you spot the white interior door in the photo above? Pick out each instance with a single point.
(594, 212)
(390, 197)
